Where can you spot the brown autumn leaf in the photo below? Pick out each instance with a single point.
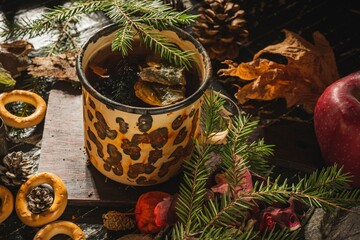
(309, 70)
(61, 67)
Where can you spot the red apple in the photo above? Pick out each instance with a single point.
(337, 124)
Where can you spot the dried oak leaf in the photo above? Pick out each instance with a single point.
(61, 67)
(309, 70)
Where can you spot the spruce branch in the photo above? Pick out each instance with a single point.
(49, 20)
(320, 193)
(225, 211)
(224, 216)
(211, 117)
(126, 14)
(239, 152)
(166, 49)
(123, 39)
(193, 189)
(145, 18)
(64, 38)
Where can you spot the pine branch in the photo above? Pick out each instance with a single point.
(225, 214)
(133, 16)
(50, 19)
(123, 40)
(122, 14)
(166, 49)
(159, 15)
(319, 196)
(64, 38)
(257, 154)
(212, 113)
(213, 219)
(238, 152)
(193, 189)
(331, 178)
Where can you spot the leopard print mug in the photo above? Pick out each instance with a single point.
(140, 145)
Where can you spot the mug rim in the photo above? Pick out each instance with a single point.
(146, 110)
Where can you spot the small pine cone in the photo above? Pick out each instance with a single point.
(220, 28)
(40, 199)
(117, 221)
(15, 169)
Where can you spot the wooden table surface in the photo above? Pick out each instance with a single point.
(338, 21)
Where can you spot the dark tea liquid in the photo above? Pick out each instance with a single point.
(124, 72)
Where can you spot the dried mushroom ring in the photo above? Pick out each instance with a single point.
(60, 227)
(56, 209)
(22, 96)
(7, 203)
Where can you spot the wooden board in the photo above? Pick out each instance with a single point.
(62, 153)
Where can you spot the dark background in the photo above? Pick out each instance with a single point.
(290, 130)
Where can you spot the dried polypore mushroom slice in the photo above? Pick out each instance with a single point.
(51, 214)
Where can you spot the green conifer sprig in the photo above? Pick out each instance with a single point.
(50, 19)
(223, 217)
(132, 16)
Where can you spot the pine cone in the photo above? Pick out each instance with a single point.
(220, 28)
(40, 199)
(15, 169)
(117, 221)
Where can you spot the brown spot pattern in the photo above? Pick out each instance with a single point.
(193, 123)
(91, 103)
(181, 136)
(102, 128)
(131, 149)
(154, 155)
(88, 145)
(98, 144)
(139, 168)
(176, 156)
(179, 154)
(113, 162)
(123, 126)
(90, 115)
(178, 122)
(192, 112)
(144, 122)
(143, 181)
(140, 138)
(159, 137)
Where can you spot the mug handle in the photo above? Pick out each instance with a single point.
(220, 137)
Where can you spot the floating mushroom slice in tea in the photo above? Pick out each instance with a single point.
(166, 75)
(161, 86)
(157, 94)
